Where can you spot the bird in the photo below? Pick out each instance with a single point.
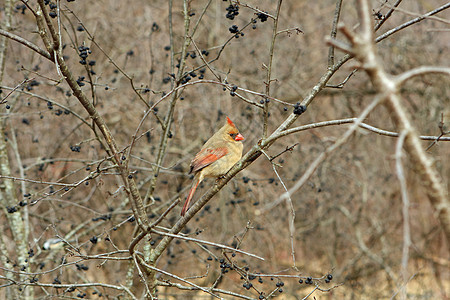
(216, 157)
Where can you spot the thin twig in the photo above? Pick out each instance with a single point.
(313, 166)
(337, 13)
(269, 69)
(341, 85)
(26, 43)
(206, 243)
(3, 100)
(388, 14)
(419, 71)
(411, 22)
(291, 209)
(143, 263)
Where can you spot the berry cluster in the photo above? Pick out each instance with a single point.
(233, 90)
(53, 13)
(21, 7)
(84, 52)
(262, 17)
(202, 73)
(11, 210)
(232, 11)
(75, 148)
(248, 285)
(32, 84)
(299, 109)
(233, 29)
(82, 267)
(225, 267)
(80, 81)
(307, 281)
(186, 79)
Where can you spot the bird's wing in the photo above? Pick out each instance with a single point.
(206, 157)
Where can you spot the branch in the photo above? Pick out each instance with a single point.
(402, 78)
(207, 243)
(52, 45)
(313, 166)
(143, 263)
(362, 125)
(269, 69)
(411, 22)
(337, 13)
(28, 44)
(363, 46)
(388, 14)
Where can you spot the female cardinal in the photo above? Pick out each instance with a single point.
(216, 157)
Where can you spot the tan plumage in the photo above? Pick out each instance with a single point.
(216, 157)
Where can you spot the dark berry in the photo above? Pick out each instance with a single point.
(11, 210)
(75, 148)
(232, 11)
(262, 17)
(299, 109)
(233, 29)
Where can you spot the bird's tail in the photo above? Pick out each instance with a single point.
(189, 197)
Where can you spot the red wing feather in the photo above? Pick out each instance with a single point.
(206, 157)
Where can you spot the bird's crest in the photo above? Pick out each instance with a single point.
(230, 122)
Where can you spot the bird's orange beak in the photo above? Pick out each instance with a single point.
(239, 137)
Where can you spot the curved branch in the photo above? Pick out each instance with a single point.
(362, 125)
(400, 79)
(26, 43)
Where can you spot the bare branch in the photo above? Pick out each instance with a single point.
(313, 166)
(403, 77)
(411, 22)
(365, 52)
(206, 243)
(337, 13)
(26, 43)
